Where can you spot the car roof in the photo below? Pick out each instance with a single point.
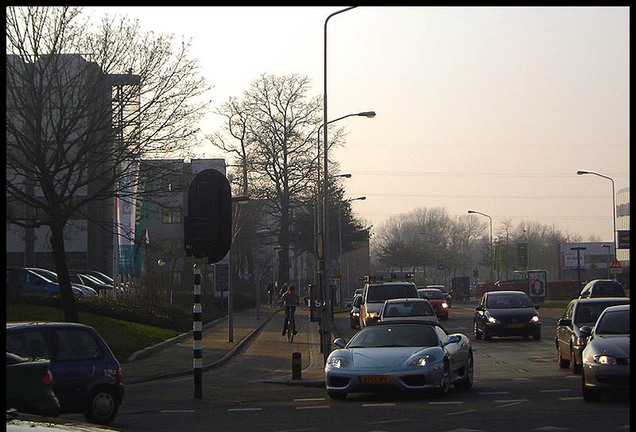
(624, 307)
(601, 299)
(11, 325)
(429, 289)
(406, 300)
(505, 292)
(406, 321)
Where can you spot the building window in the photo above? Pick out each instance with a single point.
(171, 215)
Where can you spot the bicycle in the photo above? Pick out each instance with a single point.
(291, 322)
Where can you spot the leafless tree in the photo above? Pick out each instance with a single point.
(85, 103)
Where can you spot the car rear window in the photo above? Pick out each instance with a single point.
(381, 293)
(608, 289)
(409, 309)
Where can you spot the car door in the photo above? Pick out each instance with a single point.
(77, 356)
(564, 330)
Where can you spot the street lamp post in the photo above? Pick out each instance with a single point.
(583, 172)
(360, 198)
(326, 325)
(609, 248)
(492, 257)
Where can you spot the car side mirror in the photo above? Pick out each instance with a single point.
(452, 339)
(479, 308)
(586, 330)
(565, 322)
(340, 343)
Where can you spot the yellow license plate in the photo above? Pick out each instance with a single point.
(515, 325)
(376, 379)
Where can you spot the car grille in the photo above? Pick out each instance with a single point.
(414, 380)
(336, 381)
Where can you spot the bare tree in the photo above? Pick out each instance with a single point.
(85, 104)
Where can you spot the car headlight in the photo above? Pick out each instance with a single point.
(492, 320)
(338, 362)
(604, 359)
(535, 319)
(445, 305)
(356, 314)
(423, 360)
(372, 315)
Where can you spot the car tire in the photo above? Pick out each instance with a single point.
(444, 385)
(486, 334)
(589, 394)
(576, 368)
(476, 331)
(467, 381)
(337, 395)
(101, 406)
(537, 335)
(563, 363)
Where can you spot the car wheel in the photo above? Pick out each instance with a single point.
(576, 368)
(537, 335)
(563, 363)
(467, 381)
(476, 331)
(486, 334)
(589, 394)
(101, 406)
(444, 385)
(337, 395)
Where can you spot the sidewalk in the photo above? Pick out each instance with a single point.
(174, 358)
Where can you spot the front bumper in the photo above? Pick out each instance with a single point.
(407, 379)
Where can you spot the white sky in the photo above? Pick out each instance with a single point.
(485, 108)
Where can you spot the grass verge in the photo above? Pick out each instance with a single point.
(123, 337)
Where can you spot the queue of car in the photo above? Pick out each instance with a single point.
(592, 337)
(34, 280)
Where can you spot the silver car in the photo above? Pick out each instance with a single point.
(606, 356)
(405, 356)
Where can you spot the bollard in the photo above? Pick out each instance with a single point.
(296, 366)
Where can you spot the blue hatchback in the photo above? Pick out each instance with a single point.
(86, 375)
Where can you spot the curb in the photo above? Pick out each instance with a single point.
(237, 348)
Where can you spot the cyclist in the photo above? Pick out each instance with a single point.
(289, 300)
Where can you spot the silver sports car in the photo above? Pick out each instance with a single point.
(606, 356)
(404, 356)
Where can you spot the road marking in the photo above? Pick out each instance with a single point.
(243, 409)
(309, 400)
(446, 403)
(493, 393)
(510, 402)
(378, 405)
(555, 391)
(388, 421)
(571, 398)
(312, 407)
(461, 412)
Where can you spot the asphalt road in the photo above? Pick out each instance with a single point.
(518, 387)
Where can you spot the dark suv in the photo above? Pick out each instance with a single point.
(602, 288)
(86, 375)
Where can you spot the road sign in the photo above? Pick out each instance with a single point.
(615, 264)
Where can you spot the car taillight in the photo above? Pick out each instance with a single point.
(47, 379)
(119, 375)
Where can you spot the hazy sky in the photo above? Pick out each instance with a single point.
(485, 108)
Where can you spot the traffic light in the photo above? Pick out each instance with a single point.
(208, 225)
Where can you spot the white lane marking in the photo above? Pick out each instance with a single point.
(493, 393)
(461, 412)
(388, 421)
(446, 403)
(244, 409)
(567, 398)
(309, 399)
(378, 405)
(313, 407)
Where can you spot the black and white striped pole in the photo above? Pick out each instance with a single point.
(197, 332)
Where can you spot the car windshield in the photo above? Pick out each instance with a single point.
(383, 336)
(381, 293)
(614, 322)
(408, 309)
(433, 295)
(508, 301)
(608, 289)
(588, 313)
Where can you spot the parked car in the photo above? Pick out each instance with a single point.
(79, 289)
(408, 309)
(437, 300)
(86, 375)
(89, 281)
(506, 313)
(30, 386)
(406, 356)
(602, 288)
(31, 282)
(375, 293)
(354, 313)
(444, 291)
(570, 340)
(606, 356)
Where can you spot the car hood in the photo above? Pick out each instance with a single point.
(513, 312)
(382, 357)
(617, 345)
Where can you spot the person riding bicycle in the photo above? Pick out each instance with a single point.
(289, 300)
